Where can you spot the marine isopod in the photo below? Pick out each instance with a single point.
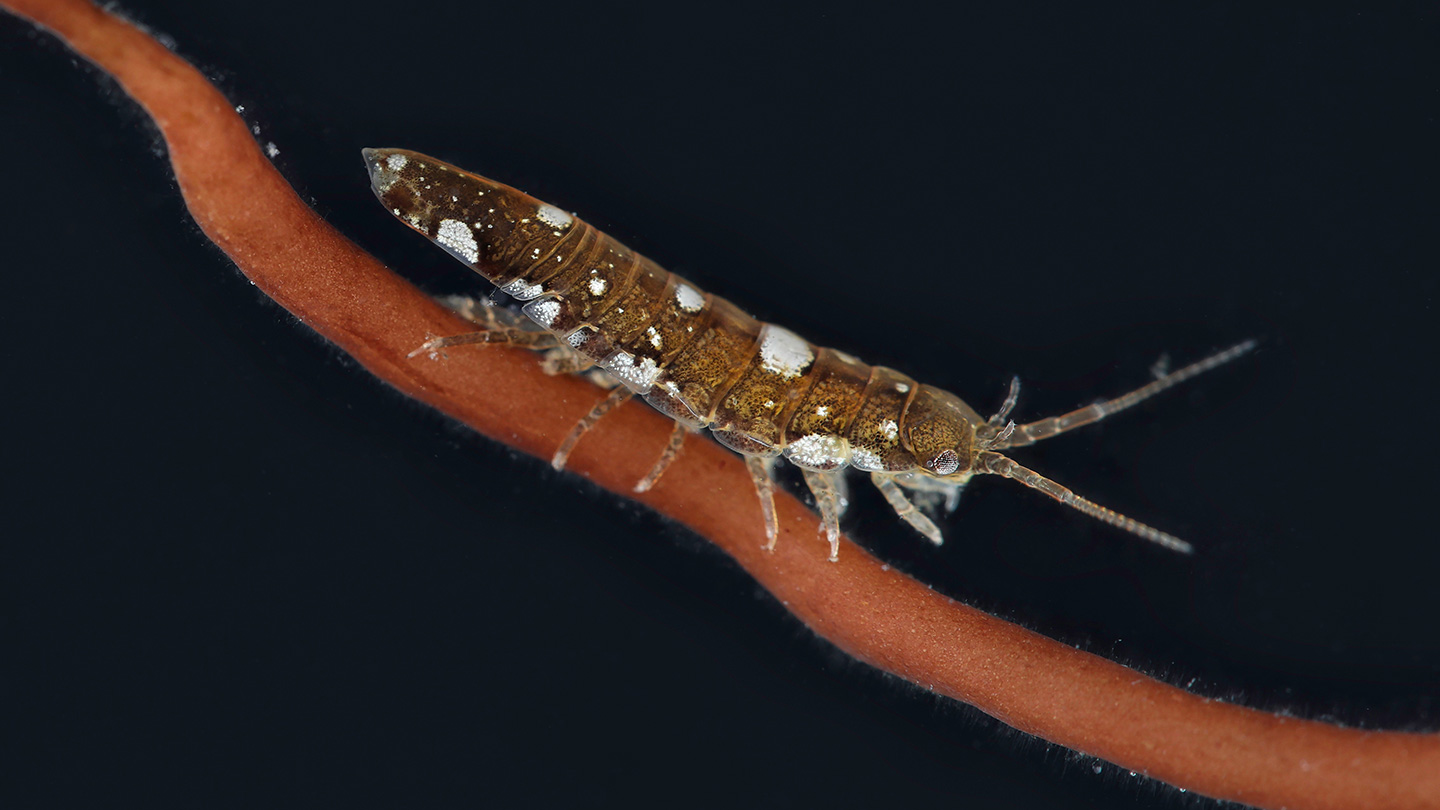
(759, 389)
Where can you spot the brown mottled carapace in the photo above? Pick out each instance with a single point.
(760, 389)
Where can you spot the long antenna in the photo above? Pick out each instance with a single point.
(991, 462)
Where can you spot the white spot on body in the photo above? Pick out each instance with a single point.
(902, 388)
(597, 286)
(819, 452)
(863, 458)
(554, 217)
(654, 335)
(456, 237)
(396, 162)
(638, 376)
(783, 352)
(522, 290)
(823, 410)
(689, 298)
(889, 429)
(543, 312)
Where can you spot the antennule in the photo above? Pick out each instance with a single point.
(996, 464)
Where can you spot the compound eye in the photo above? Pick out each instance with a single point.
(945, 462)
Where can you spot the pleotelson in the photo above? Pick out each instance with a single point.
(760, 389)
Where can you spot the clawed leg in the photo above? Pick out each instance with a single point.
(759, 468)
(677, 440)
(1090, 414)
(905, 509)
(604, 406)
(827, 488)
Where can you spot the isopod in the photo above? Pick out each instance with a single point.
(760, 389)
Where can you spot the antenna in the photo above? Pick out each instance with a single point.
(991, 462)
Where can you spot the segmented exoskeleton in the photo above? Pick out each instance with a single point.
(760, 389)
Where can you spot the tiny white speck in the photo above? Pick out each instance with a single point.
(889, 429)
(455, 236)
(396, 162)
(823, 410)
(783, 352)
(689, 298)
(255, 129)
(597, 286)
(769, 403)
(654, 336)
(271, 150)
(902, 388)
(554, 217)
(453, 198)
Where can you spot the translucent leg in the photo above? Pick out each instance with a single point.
(564, 360)
(677, 440)
(615, 397)
(497, 326)
(825, 486)
(933, 493)
(1090, 414)
(479, 311)
(508, 335)
(759, 468)
(906, 510)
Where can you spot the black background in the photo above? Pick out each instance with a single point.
(237, 571)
